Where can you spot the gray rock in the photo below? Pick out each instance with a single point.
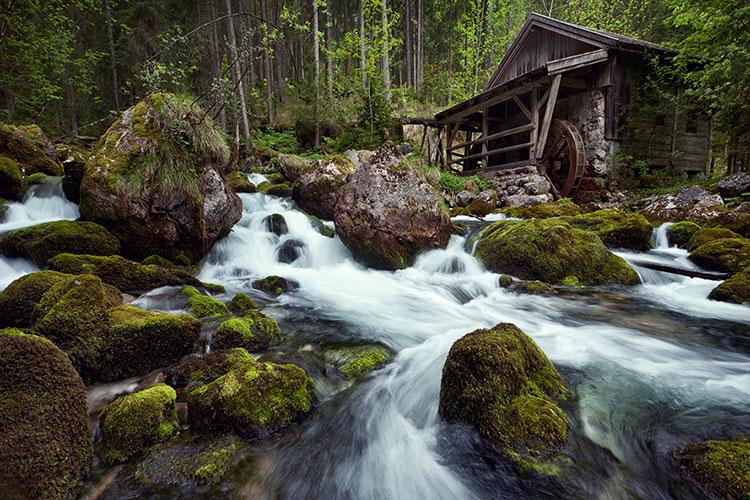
(734, 185)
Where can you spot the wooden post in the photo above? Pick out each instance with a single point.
(534, 124)
(448, 142)
(485, 133)
(551, 101)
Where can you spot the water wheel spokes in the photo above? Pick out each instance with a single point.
(564, 157)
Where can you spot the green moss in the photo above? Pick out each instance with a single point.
(707, 234)
(158, 260)
(3, 208)
(131, 424)
(284, 190)
(139, 342)
(736, 289)
(616, 228)
(26, 146)
(730, 255)
(200, 370)
(274, 285)
(239, 183)
(253, 400)
(544, 210)
(275, 178)
(505, 280)
(533, 287)
(318, 225)
(203, 306)
(721, 467)
(37, 178)
(18, 300)
(45, 438)
(42, 242)
(213, 287)
(501, 383)
(242, 304)
(254, 332)
(452, 182)
(550, 250)
(354, 362)
(124, 274)
(679, 234)
(276, 224)
(11, 179)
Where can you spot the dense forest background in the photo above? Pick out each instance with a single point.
(327, 68)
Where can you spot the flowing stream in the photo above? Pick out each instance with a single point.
(654, 366)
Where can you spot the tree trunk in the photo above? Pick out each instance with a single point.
(362, 53)
(329, 49)
(237, 74)
(316, 52)
(112, 55)
(420, 45)
(408, 56)
(268, 66)
(70, 91)
(386, 60)
(217, 56)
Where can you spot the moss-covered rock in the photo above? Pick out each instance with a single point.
(708, 234)
(131, 424)
(239, 183)
(74, 314)
(481, 205)
(275, 178)
(354, 362)
(30, 149)
(543, 210)
(196, 371)
(273, 285)
(505, 280)
(320, 227)
(11, 179)
(284, 190)
(203, 306)
(74, 164)
(242, 304)
(679, 233)
(42, 242)
(730, 255)
(276, 224)
(500, 382)
(139, 342)
(552, 251)
(736, 289)
(3, 208)
(126, 275)
(616, 228)
(317, 185)
(18, 300)
(45, 447)
(252, 400)
(721, 467)
(158, 260)
(533, 287)
(254, 332)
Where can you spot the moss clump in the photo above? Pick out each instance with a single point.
(355, 362)
(141, 341)
(124, 274)
(552, 251)
(708, 234)
(11, 179)
(502, 384)
(42, 242)
(3, 208)
(721, 467)
(45, 438)
(254, 332)
(18, 300)
(544, 210)
(253, 400)
(730, 255)
(273, 285)
(239, 183)
(276, 224)
(242, 304)
(533, 287)
(158, 260)
(275, 178)
(73, 314)
(505, 280)
(320, 227)
(679, 234)
(200, 370)
(27, 146)
(616, 228)
(736, 289)
(203, 306)
(131, 424)
(74, 163)
(284, 190)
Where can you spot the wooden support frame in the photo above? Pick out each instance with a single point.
(506, 149)
(485, 133)
(548, 111)
(571, 63)
(497, 135)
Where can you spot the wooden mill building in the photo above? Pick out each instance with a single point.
(569, 100)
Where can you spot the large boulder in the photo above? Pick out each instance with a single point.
(11, 179)
(316, 187)
(736, 289)
(544, 210)
(45, 447)
(42, 242)
(708, 234)
(694, 203)
(498, 381)
(154, 180)
(680, 233)
(18, 300)
(734, 185)
(254, 331)
(616, 228)
(30, 149)
(552, 251)
(721, 467)
(387, 213)
(728, 255)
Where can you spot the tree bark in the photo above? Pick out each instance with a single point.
(408, 43)
(420, 44)
(316, 52)
(238, 74)
(362, 52)
(329, 49)
(217, 56)
(70, 91)
(386, 58)
(112, 55)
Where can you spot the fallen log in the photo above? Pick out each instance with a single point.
(690, 273)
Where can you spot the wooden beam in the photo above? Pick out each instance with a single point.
(574, 83)
(505, 96)
(574, 62)
(534, 123)
(448, 141)
(485, 133)
(522, 107)
(491, 170)
(497, 135)
(506, 149)
(551, 101)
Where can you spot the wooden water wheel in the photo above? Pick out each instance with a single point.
(564, 158)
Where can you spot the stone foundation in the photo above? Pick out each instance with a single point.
(521, 187)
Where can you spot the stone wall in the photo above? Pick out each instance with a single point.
(521, 187)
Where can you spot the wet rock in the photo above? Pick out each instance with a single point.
(734, 185)
(533, 287)
(736, 221)
(292, 166)
(18, 300)
(196, 371)
(290, 251)
(355, 362)
(387, 213)
(316, 188)
(721, 467)
(679, 233)
(464, 198)
(254, 332)
(543, 210)
(283, 190)
(276, 224)
(203, 306)
(42, 242)
(45, 447)
(73, 161)
(275, 285)
(30, 149)
(358, 157)
(736, 289)
(131, 424)
(155, 180)
(694, 203)
(707, 234)
(552, 251)
(730, 255)
(500, 382)
(11, 179)
(320, 227)
(616, 228)
(242, 304)
(482, 204)
(239, 183)
(521, 187)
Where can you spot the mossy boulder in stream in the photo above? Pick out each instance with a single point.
(543, 210)
(735, 289)
(721, 467)
(11, 179)
(283, 190)
(18, 300)
(42, 242)
(354, 362)
(140, 341)
(616, 228)
(196, 371)
(679, 233)
(552, 251)
(242, 304)
(729, 255)
(709, 234)
(30, 149)
(45, 447)
(239, 183)
(131, 424)
(317, 185)
(254, 332)
(203, 306)
(498, 381)
(155, 180)
(274, 285)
